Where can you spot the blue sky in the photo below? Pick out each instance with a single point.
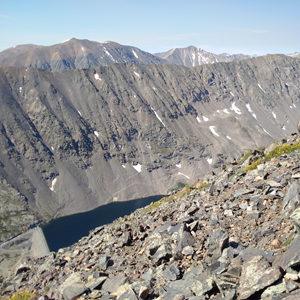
(232, 26)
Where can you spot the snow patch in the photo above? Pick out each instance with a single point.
(290, 105)
(82, 49)
(231, 94)
(20, 88)
(198, 120)
(283, 128)
(79, 112)
(209, 160)
(52, 148)
(205, 119)
(97, 76)
(193, 55)
(179, 173)
(178, 166)
(157, 116)
(137, 74)
(124, 166)
(212, 129)
(108, 54)
(274, 115)
(65, 41)
(138, 167)
(261, 88)
(235, 109)
(14, 46)
(251, 111)
(134, 54)
(226, 111)
(218, 111)
(294, 105)
(53, 183)
(134, 96)
(265, 131)
(96, 133)
(154, 88)
(228, 137)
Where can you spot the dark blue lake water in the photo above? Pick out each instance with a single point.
(65, 231)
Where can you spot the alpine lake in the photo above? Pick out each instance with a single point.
(65, 231)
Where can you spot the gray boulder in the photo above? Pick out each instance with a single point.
(215, 244)
(291, 257)
(257, 274)
(291, 200)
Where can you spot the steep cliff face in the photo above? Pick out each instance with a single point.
(75, 54)
(73, 140)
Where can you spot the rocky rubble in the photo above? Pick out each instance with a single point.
(231, 236)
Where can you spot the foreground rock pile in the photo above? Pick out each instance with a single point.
(231, 236)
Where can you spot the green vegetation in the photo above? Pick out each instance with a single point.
(282, 149)
(180, 185)
(276, 152)
(23, 295)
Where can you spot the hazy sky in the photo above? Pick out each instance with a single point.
(249, 27)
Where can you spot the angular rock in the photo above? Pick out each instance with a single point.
(144, 292)
(174, 288)
(273, 290)
(128, 295)
(188, 250)
(203, 283)
(295, 217)
(159, 247)
(103, 262)
(291, 200)
(291, 257)
(95, 284)
(172, 273)
(111, 284)
(257, 275)
(73, 290)
(241, 192)
(215, 244)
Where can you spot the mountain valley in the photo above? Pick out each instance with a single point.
(73, 140)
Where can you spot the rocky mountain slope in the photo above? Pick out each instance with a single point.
(295, 55)
(75, 54)
(233, 235)
(193, 56)
(74, 140)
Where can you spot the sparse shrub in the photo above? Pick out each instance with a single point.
(23, 295)
(253, 165)
(276, 152)
(282, 149)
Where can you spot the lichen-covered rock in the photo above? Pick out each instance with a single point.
(256, 275)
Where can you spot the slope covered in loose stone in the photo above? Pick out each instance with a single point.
(76, 139)
(75, 54)
(230, 236)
